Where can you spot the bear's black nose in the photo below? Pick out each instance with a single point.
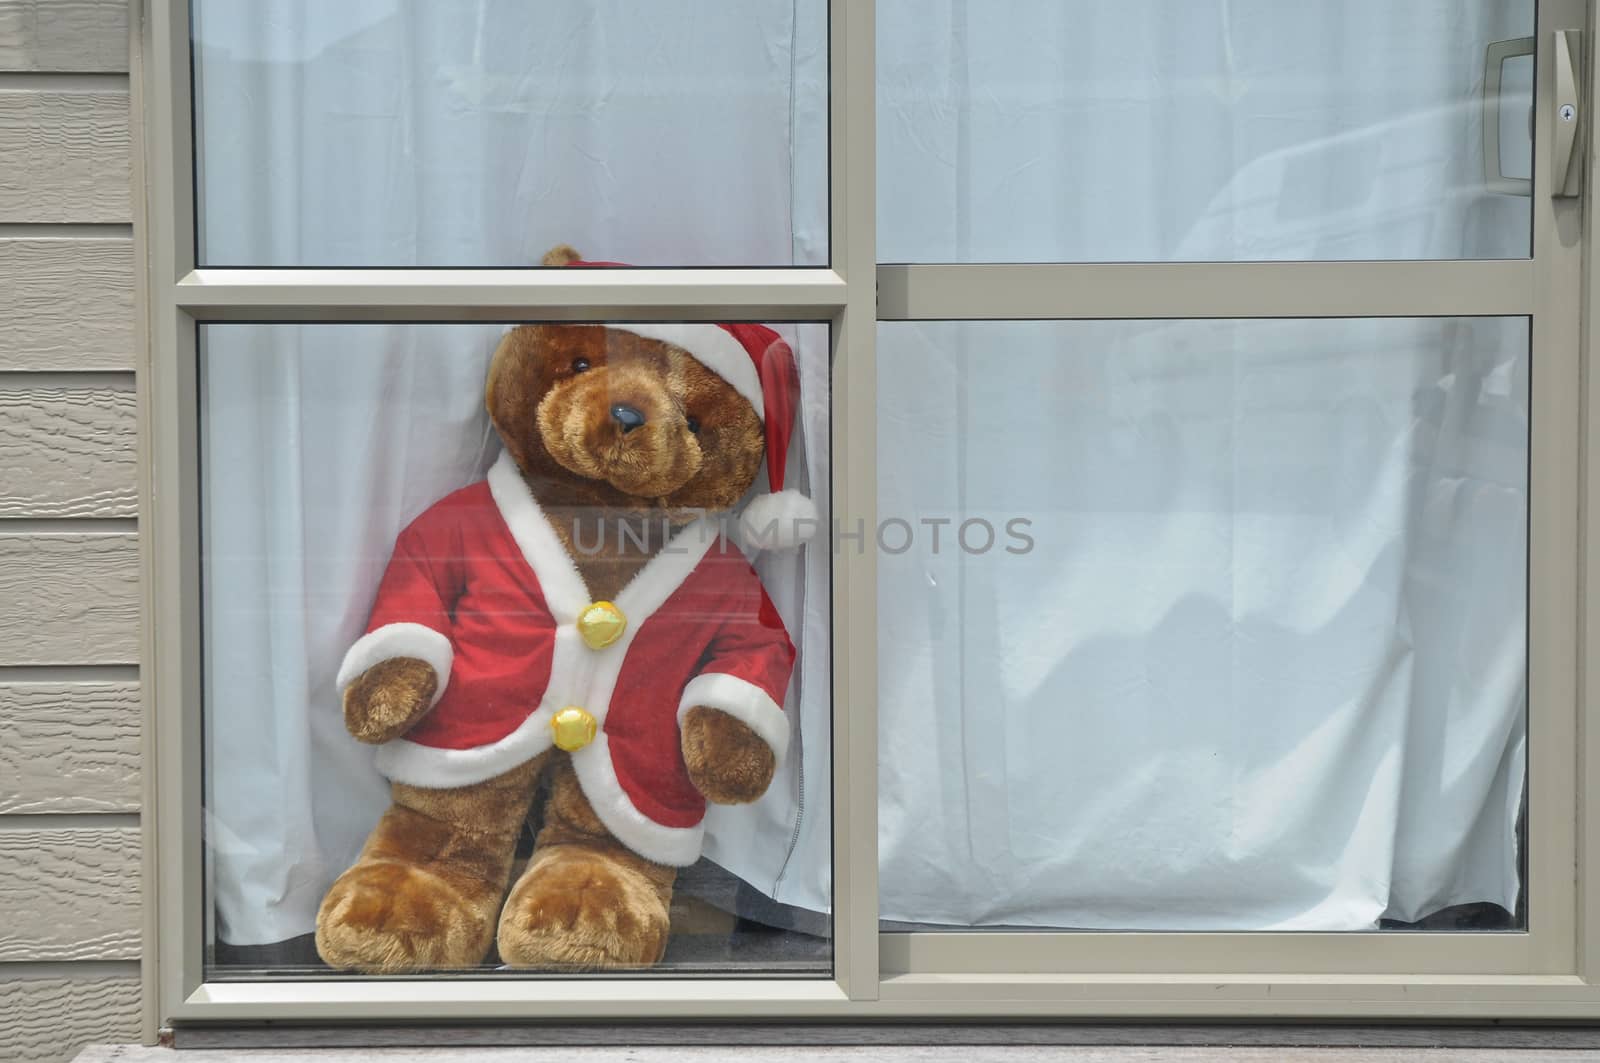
(627, 416)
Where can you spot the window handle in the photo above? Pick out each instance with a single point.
(1566, 174)
(1500, 104)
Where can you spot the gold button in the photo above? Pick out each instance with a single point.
(601, 624)
(573, 728)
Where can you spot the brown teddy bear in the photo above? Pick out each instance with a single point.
(577, 617)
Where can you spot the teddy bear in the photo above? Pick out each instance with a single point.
(578, 621)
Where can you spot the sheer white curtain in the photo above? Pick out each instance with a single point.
(1091, 130)
(481, 132)
(1262, 666)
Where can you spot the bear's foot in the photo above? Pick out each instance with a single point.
(586, 907)
(385, 917)
(427, 889)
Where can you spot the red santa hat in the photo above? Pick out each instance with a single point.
(759, 365)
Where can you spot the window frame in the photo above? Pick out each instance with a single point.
(1552, 971)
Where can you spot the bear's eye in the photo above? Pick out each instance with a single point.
(580, 364)
(694, 424)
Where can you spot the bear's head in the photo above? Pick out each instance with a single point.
(610, 418)
(622, 420)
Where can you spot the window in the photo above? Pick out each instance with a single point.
(314, 862)
(1245, 649)
(1190, 402)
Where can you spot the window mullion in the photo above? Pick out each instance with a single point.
(1195, 290)
(482, 295)
(853, 134)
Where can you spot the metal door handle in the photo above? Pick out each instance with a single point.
(1566, 174)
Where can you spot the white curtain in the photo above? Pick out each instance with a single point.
(1028, 783)
(1262, 666)
(1146, 130)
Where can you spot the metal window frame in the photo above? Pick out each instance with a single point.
(1550, 972)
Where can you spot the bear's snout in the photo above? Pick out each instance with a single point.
(621, 425)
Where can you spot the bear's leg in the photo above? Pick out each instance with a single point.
(585, 900)
(428, 885)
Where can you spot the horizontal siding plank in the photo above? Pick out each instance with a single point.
(69, 747)
(64, 36)
(68, 452)
(48, 1020)
(69, 599)
(66, 303)
(64, 157)
(69, 894)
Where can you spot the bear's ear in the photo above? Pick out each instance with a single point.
(497, 362)
(503, 390)
(562, 255)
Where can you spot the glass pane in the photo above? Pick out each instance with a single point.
(1203, 625)
(490, 640)
(480, 132)
(1157, 130)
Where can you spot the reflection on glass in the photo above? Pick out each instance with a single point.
(1246, 648)
(1148, 130)
(480, 132)
(494, 678)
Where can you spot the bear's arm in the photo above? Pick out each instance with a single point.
(399, 669)
(734, 730)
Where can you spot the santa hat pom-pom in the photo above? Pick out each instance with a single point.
(779, 521)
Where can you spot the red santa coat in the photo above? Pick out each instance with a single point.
(481, 588)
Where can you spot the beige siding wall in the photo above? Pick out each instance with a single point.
(69, 679)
